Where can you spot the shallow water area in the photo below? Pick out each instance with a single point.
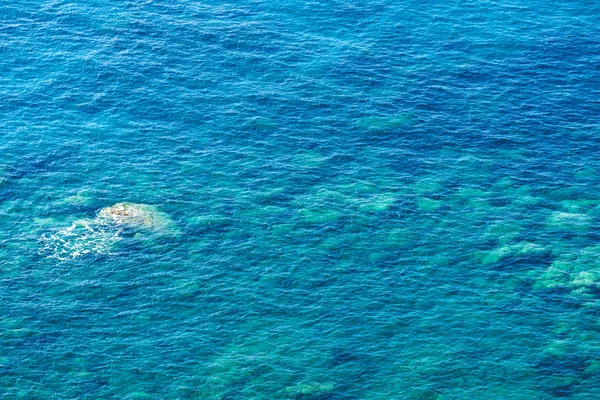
(299, 201)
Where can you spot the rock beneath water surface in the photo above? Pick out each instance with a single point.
(557, 275)
(567, 221)
(134, 215)
(99, 236)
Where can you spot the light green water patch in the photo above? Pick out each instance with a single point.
(578, 206)
(594, 212)
(434, 261)
(449, 153)
(423, 365)
(262, 214)
(322, 206)
(559, 349)
(567, 221)
(579, 272)
(356, 197)
(585, 273)
(269, 193)
(504, 231)
(520, 195)
(319, 215)
(428, 205)
(586, 279)
(470, 193)
(557, 275)
(403, 237)
(138, 396)
(309, 390)
(282, 229)
(517, 192)
(16, 328)
(495, 255)
(377, 202)
(266, 360)
(562, 328)
(261, 123)
(308, 159)
(81, 198)
(427, 187)
(525, 201)
(472, 197)
(592, 369)
(504, 184)
(506, 391)
(46, 222)
(212, 220)
(586, 173)
(512, 250)
(358, 188)
(563, 193)
(3, 176)
(333, 242)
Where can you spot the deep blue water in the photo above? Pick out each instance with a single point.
(357, 200)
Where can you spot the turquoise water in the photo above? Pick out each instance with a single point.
(339, 200)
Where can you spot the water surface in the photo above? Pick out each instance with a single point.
(365, 200)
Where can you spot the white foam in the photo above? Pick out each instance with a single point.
(83, 237)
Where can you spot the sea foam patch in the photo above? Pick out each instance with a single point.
(83, 237)
(100, 235)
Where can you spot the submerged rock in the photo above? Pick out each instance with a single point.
(569, 221)
(557, 275)
(592, 369)
(134, 216)
(514, 250)
(426, 204)
(100, 236)
(377, 202)
(587, 279)
(319, 216)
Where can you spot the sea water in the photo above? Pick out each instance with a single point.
(365, 199)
